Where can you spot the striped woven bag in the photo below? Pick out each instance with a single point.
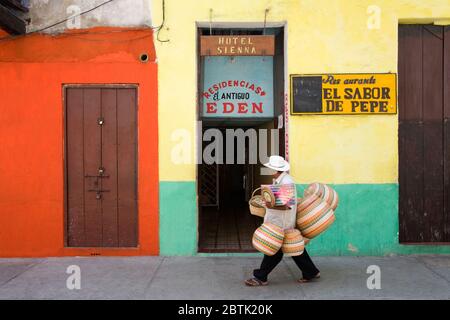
(314, 215)
(293, 243)
(306, 202)
(268, 238)
(325, 192)
(279, 194)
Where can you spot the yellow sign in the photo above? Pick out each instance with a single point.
(344, 94)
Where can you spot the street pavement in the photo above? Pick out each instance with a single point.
(394, 277)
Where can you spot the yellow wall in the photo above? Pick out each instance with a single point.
(323, 36)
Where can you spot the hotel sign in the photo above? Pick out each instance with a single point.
(237, 45)
(241, 87)
(373, 93)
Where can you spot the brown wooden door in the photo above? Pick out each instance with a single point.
(424, 133)
(101, 145)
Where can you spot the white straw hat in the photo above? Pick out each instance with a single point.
(277, 163)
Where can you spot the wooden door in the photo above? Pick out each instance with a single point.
(424, 133)
(100, 153)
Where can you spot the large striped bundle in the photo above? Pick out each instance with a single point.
(314, 215)
(293, 243)
(268, 239)
(325, 192)
(306, 202)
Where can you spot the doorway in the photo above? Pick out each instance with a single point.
(246, 94)
(424, 135)
(100, 166)
(225, 222)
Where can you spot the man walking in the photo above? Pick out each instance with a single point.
(285, 219)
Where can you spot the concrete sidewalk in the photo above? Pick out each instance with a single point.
(402, 277)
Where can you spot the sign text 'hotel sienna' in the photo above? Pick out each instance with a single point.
(237, 45)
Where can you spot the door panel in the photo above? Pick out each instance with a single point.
(411, 206)
(127, 144)
(109, 160)
(74, 161)
(446, 102)
(433, 132)
(422, 135)
(92, 162)
(101, 148)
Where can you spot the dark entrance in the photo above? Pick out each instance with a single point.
(424, 133)
(225, 223)
(100, 153)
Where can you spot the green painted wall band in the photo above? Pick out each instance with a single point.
(366, 222)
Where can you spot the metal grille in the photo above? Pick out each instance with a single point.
(209, 188)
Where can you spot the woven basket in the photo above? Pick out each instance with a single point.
(268, 239)
(293, 243)
(306, 202)
(325, 192)
(256, 205)
(267, 196)
(314, 217)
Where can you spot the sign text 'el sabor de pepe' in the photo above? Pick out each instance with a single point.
(344, 94)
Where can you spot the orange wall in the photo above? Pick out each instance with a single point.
(32, 71)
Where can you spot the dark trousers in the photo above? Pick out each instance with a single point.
(303, 261)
